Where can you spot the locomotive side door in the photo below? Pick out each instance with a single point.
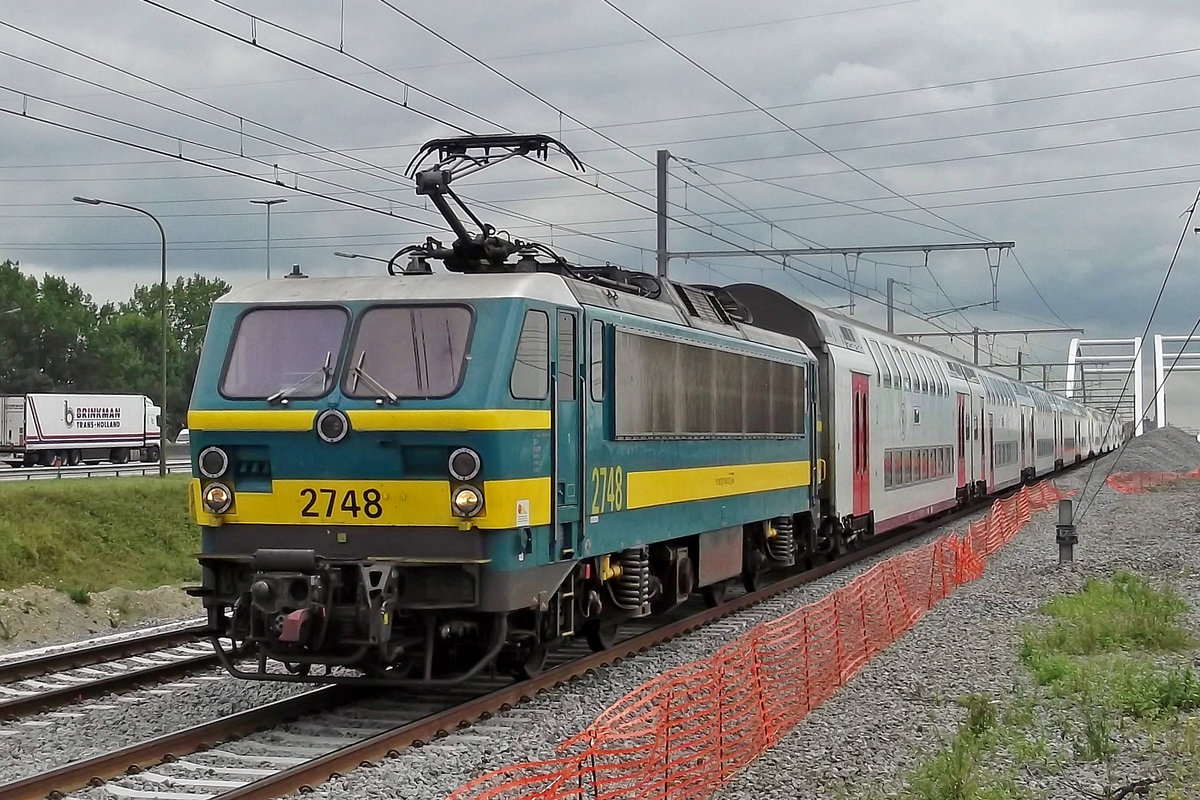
(859, 390)
(566, 421)
(963, 426)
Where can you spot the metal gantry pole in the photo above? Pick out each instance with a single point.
(663, 257)
(891, 305)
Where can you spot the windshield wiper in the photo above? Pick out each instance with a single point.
(358, 372)
(325, 372)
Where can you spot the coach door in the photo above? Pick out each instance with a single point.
(963, 427)
(567, 437)
(859, 387)
(1023, 465)
(991, 451)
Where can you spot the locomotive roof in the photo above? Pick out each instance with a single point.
(440, 286)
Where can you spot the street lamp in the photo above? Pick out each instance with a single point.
(162, 418)
(268, 204)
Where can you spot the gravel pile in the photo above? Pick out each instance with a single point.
(1168, 449)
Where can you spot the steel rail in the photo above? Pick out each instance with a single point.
(72, 693)
(97, 653)
(388, 743)
(58, 782)
(305, 777)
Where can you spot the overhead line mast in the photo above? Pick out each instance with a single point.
(665, 255)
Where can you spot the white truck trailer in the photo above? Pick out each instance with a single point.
(57, 429)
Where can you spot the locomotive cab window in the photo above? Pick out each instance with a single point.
(531, 367)
(285, 352)
(410, 351)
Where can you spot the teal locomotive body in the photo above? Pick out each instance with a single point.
(419, 477)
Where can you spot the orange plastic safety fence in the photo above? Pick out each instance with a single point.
(1137, 482)
(683, 734)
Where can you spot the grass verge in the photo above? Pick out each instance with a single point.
(1112, 683)
(90, 534)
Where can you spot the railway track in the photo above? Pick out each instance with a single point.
(53, 677)
(316, 735)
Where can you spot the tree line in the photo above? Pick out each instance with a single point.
(54, 337)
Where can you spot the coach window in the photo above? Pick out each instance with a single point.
(875, 359)
(926, 378)
(531, 370)
(885, 374)
(596, 360)
(906, 368)
(887, 469)
(905, 375)
(891, 366)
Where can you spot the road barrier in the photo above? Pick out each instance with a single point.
(96, 471)
(683, 734)
(1138, 482)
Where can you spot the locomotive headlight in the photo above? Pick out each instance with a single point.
(217, 498)
(467, 501)
(213, 462)
(464, 464)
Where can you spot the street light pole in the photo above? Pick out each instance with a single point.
(162, 412)
(268, 204)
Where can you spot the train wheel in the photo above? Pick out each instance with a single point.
(532, 664)
(714, 595)
(600, 634)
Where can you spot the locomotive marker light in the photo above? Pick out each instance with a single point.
(213, 462)
(218, 498)
(464, 464)
(332, 425)
(1065, 534)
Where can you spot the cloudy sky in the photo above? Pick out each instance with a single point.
(1068, 128)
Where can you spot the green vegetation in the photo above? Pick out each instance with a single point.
(1100, 645)
(53, 337)
(1113, 682)
(956, 773)
(87, 535)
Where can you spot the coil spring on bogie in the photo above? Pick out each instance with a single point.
(631, 590)
(782, 546)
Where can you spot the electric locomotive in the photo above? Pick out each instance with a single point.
(412, 478)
